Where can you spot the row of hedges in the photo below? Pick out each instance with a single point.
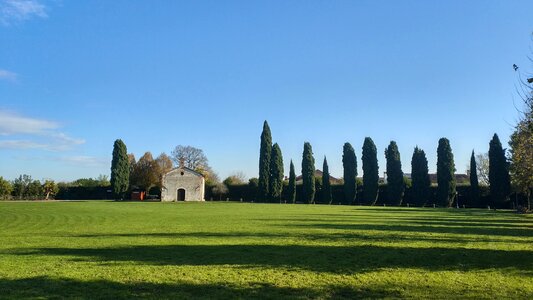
(84, 193)
(247, 193)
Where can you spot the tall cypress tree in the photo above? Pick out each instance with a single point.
(265, 153)
(276, 173)
(499, 179)
(291, 189)
(395, 183)
(445, 174)
(349, 163)
(120, 170)
(308, 174)
(326, 185)
(420, 177)
(474, 182)
(370, 172)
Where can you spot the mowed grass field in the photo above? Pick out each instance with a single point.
(234, 250)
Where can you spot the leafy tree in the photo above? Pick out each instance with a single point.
(5, 188)
(146, 172)
(349, 163)
(326, 185)
(474, 182)
(370, 172)
(35, 190)
(521, 144)
(308, 174)
(50, 188)
(90, 182)
(395, 181)
(522, 157)
(163, 164)
(265, 153)
(291, 189)
(103, 180)
(120, 169)
(211, 177)
(21, 185)
(482, 167)
(420, 177)
(276, 173)
(219, 189)
(234, 179)
(132, 161)
(499, 179)
(445, 174)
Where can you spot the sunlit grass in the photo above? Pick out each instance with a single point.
(234, 250)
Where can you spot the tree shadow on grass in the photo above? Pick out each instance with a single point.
(426, 227)
(349, 236)
(343, 260)
(62, 288)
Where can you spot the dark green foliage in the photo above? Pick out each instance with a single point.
(308, 174)
(265, 153)
(253, 185)
(499, 179)
(35, 190)
(5, 188)
(120, 170)
(291, 189)
(474, 182)
(247, 192)
(21, 185)
(318, 189)
(276, 173)
(395, 181)
(445, 174)
(67, 192)
(326, 185)
(349, 163)
(420, 178)
(370, 172)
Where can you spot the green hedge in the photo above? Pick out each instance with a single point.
(247, 193)
(83, 193)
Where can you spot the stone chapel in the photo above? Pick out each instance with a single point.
(183, 184)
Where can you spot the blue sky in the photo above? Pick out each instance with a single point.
(76, 75)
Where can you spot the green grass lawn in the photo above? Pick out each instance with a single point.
(234, 250)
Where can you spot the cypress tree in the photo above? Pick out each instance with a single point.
(370, 172)
(395, 183)
(308, 174)
(265, 153)
(420, 177)
(499, 180)
(291, 189)
(326, 185)
(276, 173)
(474, 182)
(349, 163)
(445, 174)
(120, 170)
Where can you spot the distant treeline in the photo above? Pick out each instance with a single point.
(25, 187)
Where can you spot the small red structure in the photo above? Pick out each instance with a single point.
(138, 195)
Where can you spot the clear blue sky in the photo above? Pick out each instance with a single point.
(76, 75)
